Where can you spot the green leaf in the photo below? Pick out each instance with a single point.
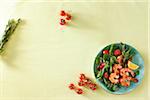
(103, 70)
(137, 72)
(110, 87)
(113, 60)
(129, 50)
(106, 57)
(111, 49)
(108, 84)
(100, 60)
(107, 69)
(110, 69)
(126, 55)
(99, 73)
(122, 46)
(105, 81)
(107, 48)
(97, 60)
(132, 53)
(115, 87)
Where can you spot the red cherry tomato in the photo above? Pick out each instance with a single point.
(82, 76)
(106, 75)
(62, 22)
(71, 86)
(92, 86)
(117, 52)
(62, 13)
(68, 17)
(79, 91)
(81, 83)
(105, 51)
(101, 65)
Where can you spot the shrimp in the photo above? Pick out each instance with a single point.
(135, 80)
(120, 59)
(114, 78)
(126, 71)
(125, 81)
(116, 68)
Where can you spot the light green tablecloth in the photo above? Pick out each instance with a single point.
(41, 59)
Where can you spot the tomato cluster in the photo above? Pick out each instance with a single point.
(66, 16)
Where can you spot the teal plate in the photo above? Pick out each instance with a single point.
(137, 59)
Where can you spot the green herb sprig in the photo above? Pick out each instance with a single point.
(9, 30)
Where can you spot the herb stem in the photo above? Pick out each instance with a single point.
(9, 30)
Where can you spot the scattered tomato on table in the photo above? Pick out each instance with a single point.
(65, 17)
(84, 82)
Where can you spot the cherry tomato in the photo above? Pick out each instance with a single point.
(68, 17)
(62, 13)
(117, 52)
(62, 22)
(79, 91)
(81, 83)
(82, 76)
(101, 66)
(71, 86)
(106, 75)
(92, 86)
(105, 51)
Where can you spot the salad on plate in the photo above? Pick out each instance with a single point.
(114, 68)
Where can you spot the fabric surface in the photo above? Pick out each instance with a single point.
(42, 57)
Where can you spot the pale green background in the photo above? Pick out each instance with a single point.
(41, 59)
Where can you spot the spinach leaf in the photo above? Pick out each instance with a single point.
(106, 57)
(107, 48)
(137, 72)
(97, 60)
